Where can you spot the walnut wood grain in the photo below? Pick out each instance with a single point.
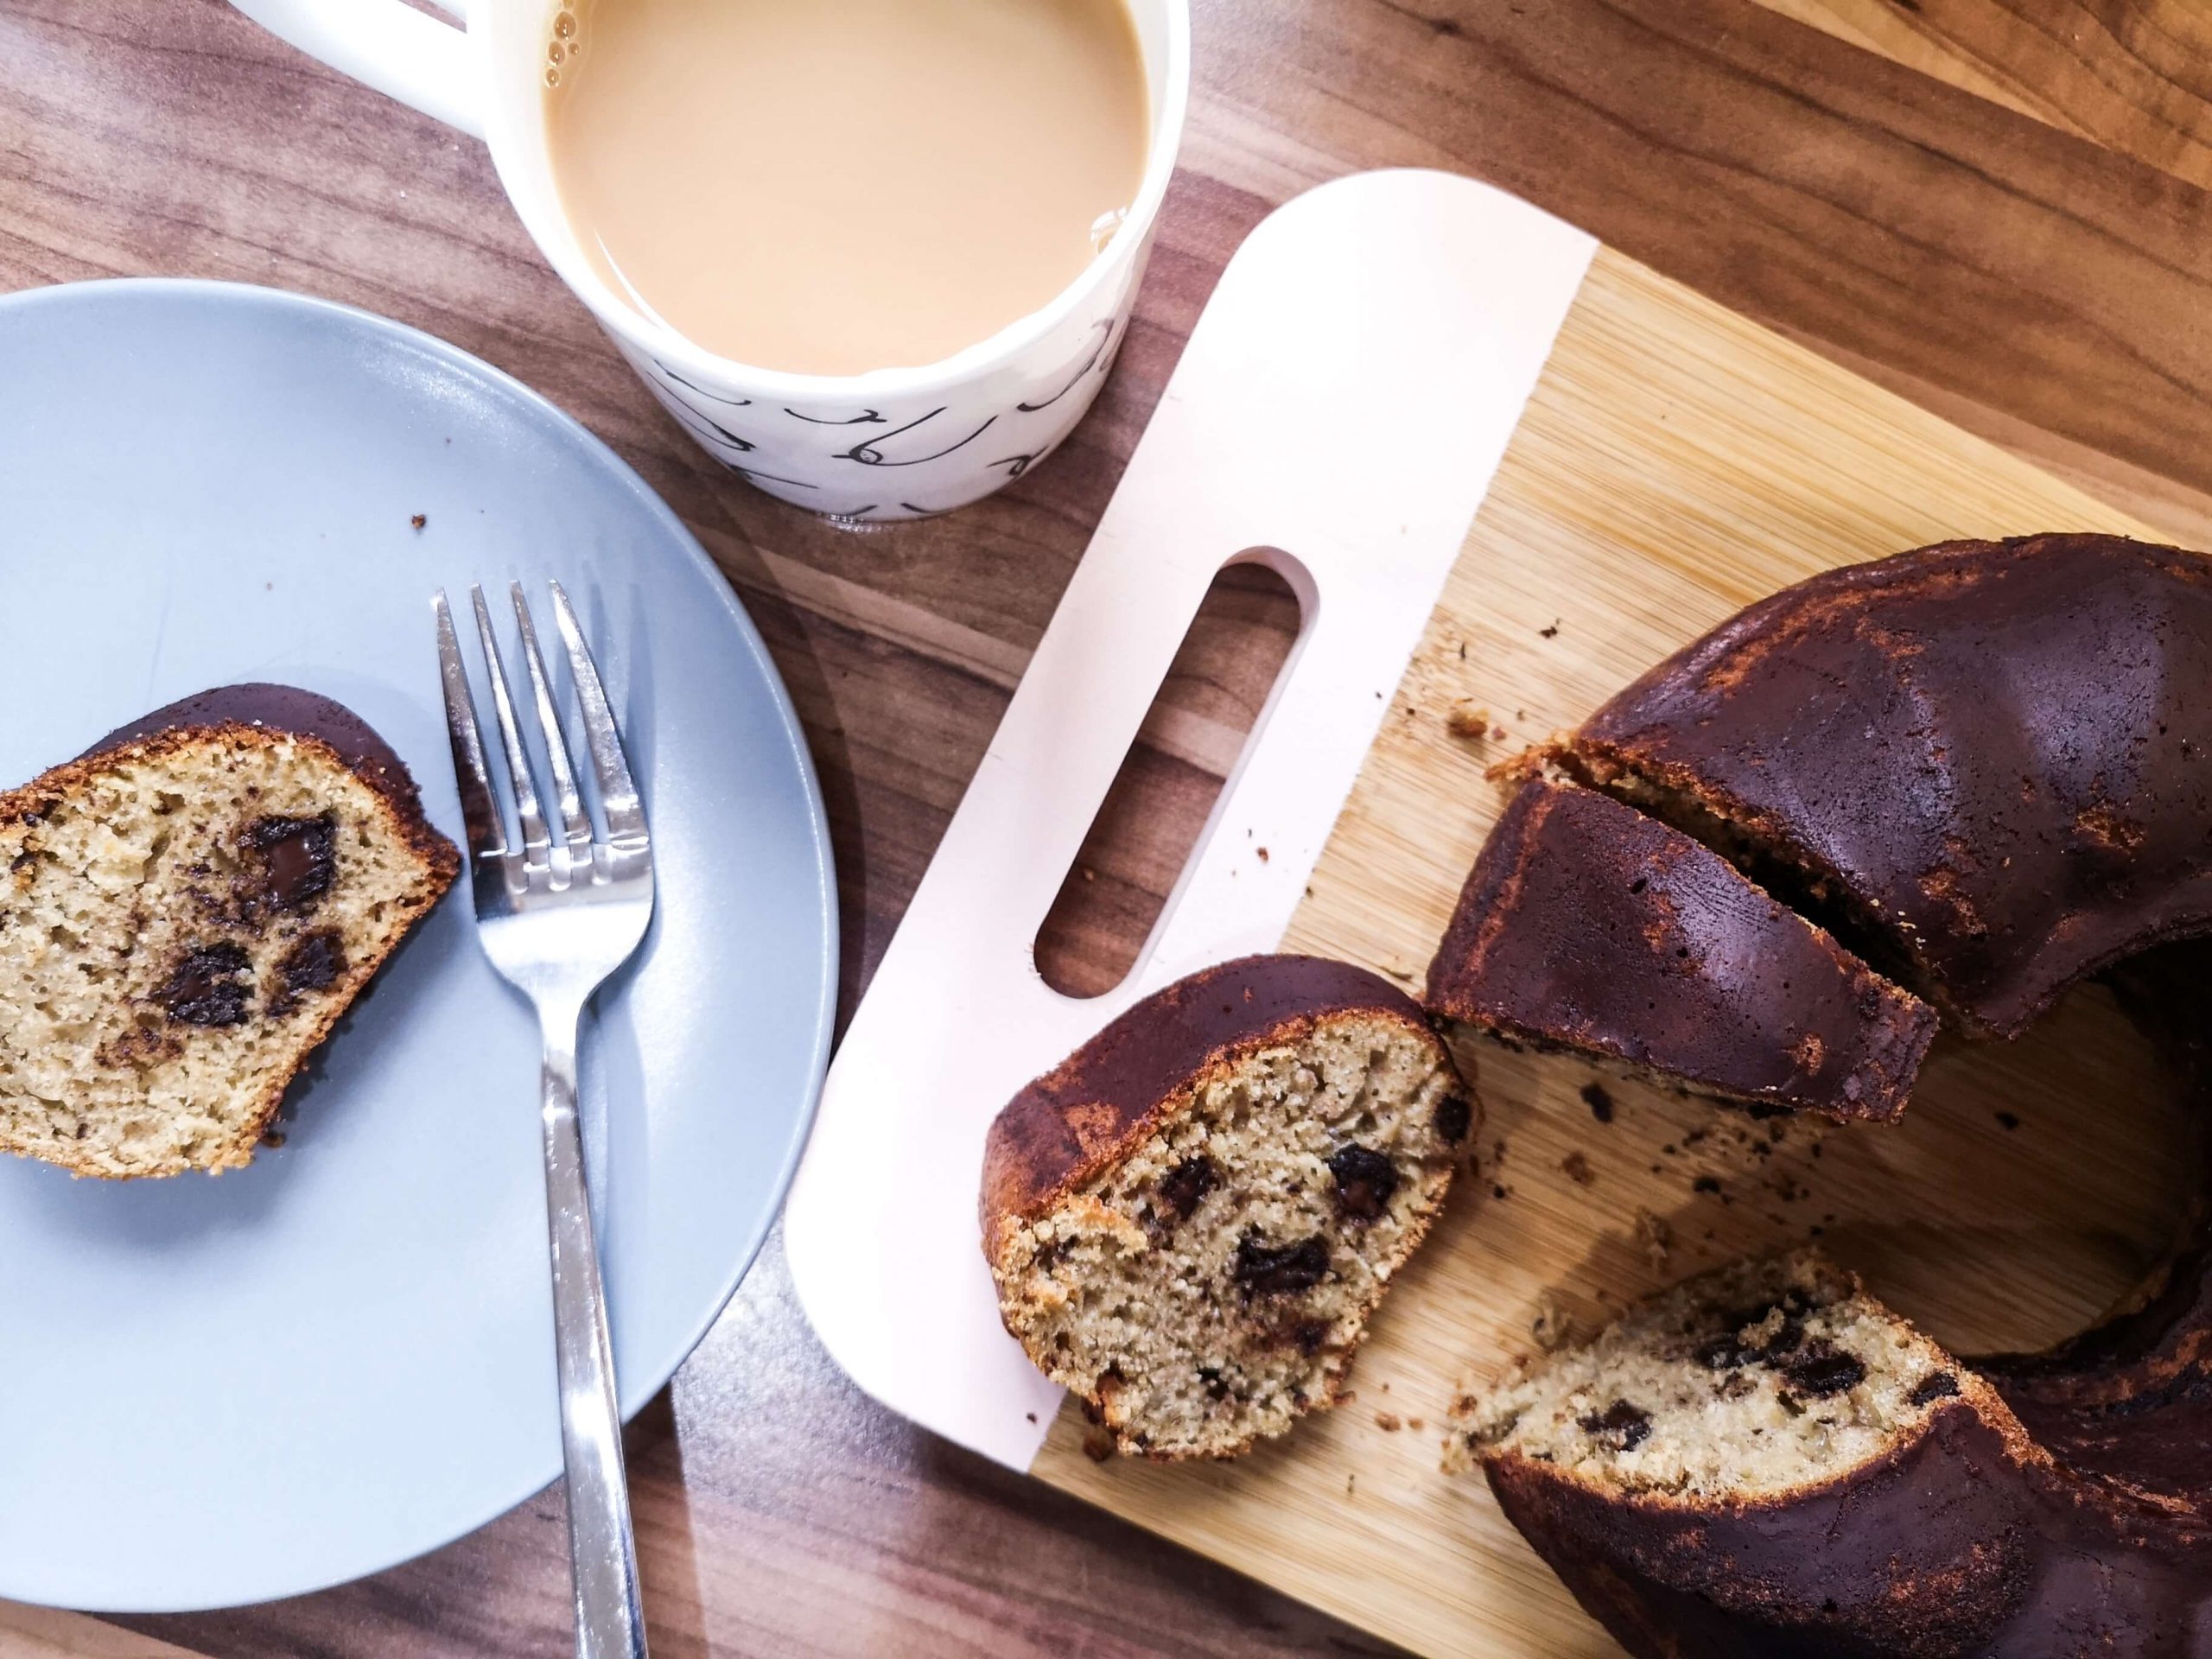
(2043, 290)
(2133, 75)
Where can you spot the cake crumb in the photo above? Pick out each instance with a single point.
(1549, 1327)
(1600, 1102)
(1414, 1425)
(1388, 1421)
(2009, 1120)
(1098, 1443)
(1468, 720)
(1552, 632)
(1262, 853)
(1578, 1169)
(421, 520)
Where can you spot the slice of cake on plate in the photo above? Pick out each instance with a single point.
(186, 911)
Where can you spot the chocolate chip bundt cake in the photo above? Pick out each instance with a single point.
(1191, 1220)
(1587, 926)
(185, 912)
(1986, 766)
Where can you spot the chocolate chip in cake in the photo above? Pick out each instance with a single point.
(314, 963)
(1184, 1188)
(1366, 1181)
(1723, 1353)
(208, 986)
(1823, 1368)
(298, 858)
(1620, 1428)
(1937, 1385)
(1454, 1117)
(1279, 1269)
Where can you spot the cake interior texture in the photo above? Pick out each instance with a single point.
(1748, 1383)
(180, 921)
(1213, 1286)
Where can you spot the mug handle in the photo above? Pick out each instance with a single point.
(387, 44)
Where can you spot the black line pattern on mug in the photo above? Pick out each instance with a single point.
(866, 417)
(718, 433)
(1017, 465)
(1089, 363)
(735, 403)
(753, 475)
(870, 454)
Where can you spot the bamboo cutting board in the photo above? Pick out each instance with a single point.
(1672, 463)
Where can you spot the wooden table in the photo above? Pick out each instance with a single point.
(1994, 205)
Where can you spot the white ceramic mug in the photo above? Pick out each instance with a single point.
(892, 443)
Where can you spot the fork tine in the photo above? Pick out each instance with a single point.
(536, 844)
(618, 792)
(576, 826)
(479, 811)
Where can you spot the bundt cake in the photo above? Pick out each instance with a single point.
(1588, 926)
(186, 910)
(1190, 1219)
(1985, 764)
(1989, 764)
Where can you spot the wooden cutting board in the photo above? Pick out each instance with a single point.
(1673, 463)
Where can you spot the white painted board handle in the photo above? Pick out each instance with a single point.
(1338, 413)
(387, 44)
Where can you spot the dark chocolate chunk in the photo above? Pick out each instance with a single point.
(1822, 1370)
(1277, 1269)
(1600, 1102)
(1366, 1181)
(1621, 1427)
(1454, 1117)
(1725, 1353)
(1184, 1188)
(209, 986)
(1308, 1335)
(298, 858)
(314, 963)
(1215, 1387)
(1937, 1385)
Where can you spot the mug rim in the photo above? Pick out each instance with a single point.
(673, 352)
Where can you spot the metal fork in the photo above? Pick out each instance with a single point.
(556, 917)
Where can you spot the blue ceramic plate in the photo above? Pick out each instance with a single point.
(222, 1390)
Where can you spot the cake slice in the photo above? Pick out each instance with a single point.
(1766, 1462)
(1191, 1220)
(186, 911)
(1587, 926)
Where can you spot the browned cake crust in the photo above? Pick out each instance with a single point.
(1104, 1100)
(1994, 758)
(1966, 1540)
(265, 714)
(1586, 925)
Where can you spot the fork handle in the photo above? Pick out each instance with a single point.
(603, 1553)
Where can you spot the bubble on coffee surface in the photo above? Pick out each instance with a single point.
(552, 76)
(565, 25)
